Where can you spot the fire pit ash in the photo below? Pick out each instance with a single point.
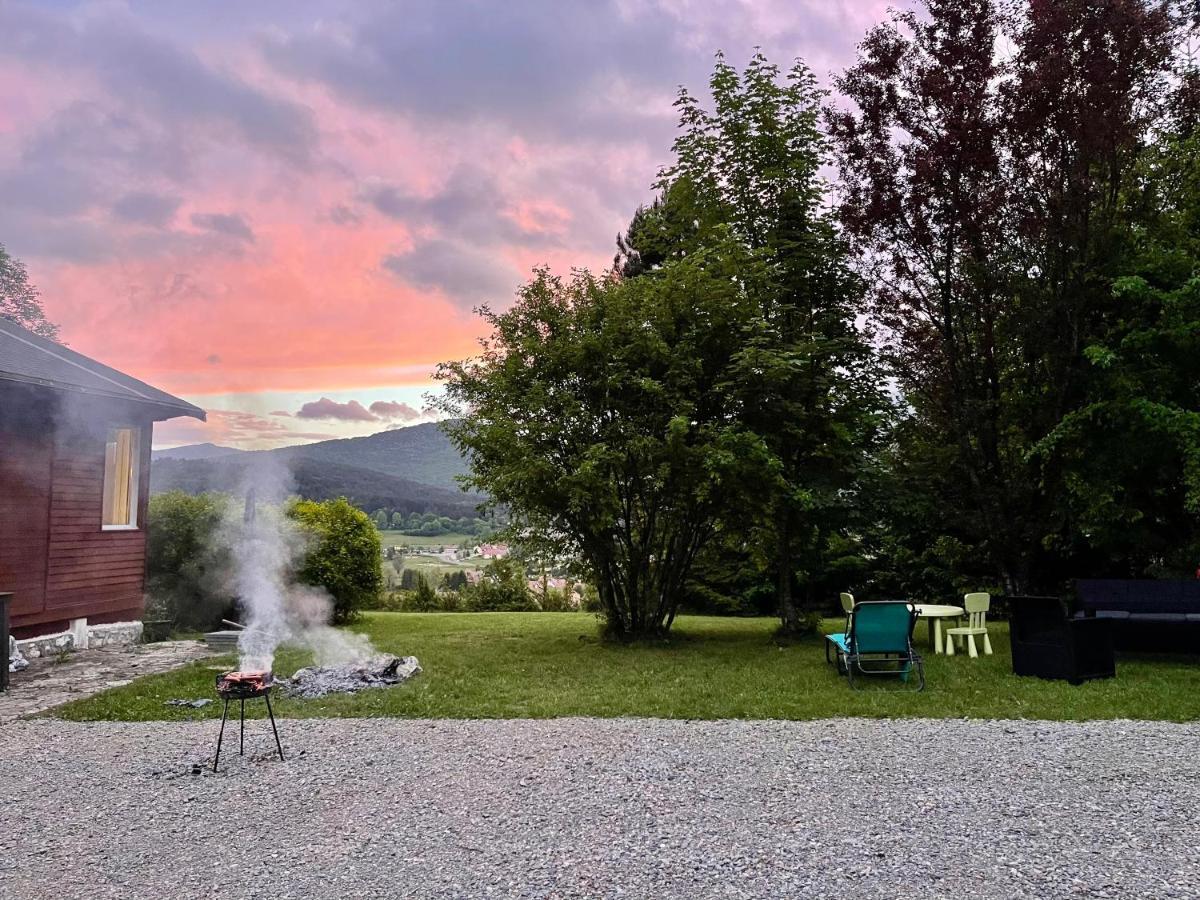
(380, 671)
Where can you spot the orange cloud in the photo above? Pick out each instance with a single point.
(232, 428)
(312, 310)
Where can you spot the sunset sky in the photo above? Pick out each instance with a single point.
(284, 211)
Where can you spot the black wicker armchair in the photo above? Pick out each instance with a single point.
(1047, 643)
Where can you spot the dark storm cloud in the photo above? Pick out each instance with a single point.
(468, 194)
(344, 215)
(146, 208)
(230, 225)
(156, 74)
(110, 144)
(69, 240)
(540, 65)
(470, 214)
(471, 205)
(466, 274)
(127, 150)
(84, 158)
(48, 186)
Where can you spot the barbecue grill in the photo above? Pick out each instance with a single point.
(243, 686)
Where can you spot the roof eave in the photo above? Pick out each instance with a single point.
(182, 409)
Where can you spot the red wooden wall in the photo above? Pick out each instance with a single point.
(91, 572)
(54, 556)
(24, 518)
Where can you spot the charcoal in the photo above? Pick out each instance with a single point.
(318, 681)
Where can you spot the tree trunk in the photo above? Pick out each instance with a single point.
(789, 616)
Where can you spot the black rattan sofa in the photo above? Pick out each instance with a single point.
(1146, 614)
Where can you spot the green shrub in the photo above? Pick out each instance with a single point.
(450, 601)
(388, 601)
(502, 589)
(423, 599)
(185, 562)
(344, 554)
(455, 581)
(555, 600)
(591, 599)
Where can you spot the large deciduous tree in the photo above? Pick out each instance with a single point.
(1129, 450)
(20, 301)
(923, 198)
(805, 376)
(598, 415)
(985, 190)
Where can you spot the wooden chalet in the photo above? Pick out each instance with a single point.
(74, 483)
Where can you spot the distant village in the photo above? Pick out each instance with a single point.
(434, 561)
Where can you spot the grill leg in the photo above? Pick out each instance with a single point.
(278, 746)
(242, 736)
(221, 734)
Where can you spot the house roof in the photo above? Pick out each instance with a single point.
(29, 359)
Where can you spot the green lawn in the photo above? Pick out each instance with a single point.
(396, 539)
(489, 665)
(433, 567)
(429, 566)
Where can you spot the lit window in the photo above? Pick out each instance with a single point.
(121, 478)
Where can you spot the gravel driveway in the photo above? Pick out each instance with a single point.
(603, 808)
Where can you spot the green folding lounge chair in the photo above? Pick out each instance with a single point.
(838, 641)
(880, 642)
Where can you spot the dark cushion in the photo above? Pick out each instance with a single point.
(1101, 593)
(1141, 597)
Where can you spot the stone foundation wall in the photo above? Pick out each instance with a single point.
(115, 634)
(82, 636)
(47, 645)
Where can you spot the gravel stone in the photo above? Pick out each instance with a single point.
(614, 808)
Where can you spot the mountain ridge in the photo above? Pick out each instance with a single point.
(420, 453)
(411, 469)
(206, 450)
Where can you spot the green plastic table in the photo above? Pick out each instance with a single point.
(935, 612)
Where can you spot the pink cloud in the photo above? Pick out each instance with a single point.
(386, 409)
(350, 411)
(232, 428)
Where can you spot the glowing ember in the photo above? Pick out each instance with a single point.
(245, 684)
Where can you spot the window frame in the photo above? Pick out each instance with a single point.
(135, 477)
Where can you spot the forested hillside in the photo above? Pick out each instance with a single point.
(420, 453)
(316, 480)
(407, 469)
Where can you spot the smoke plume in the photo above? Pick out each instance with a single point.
(266, 549)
